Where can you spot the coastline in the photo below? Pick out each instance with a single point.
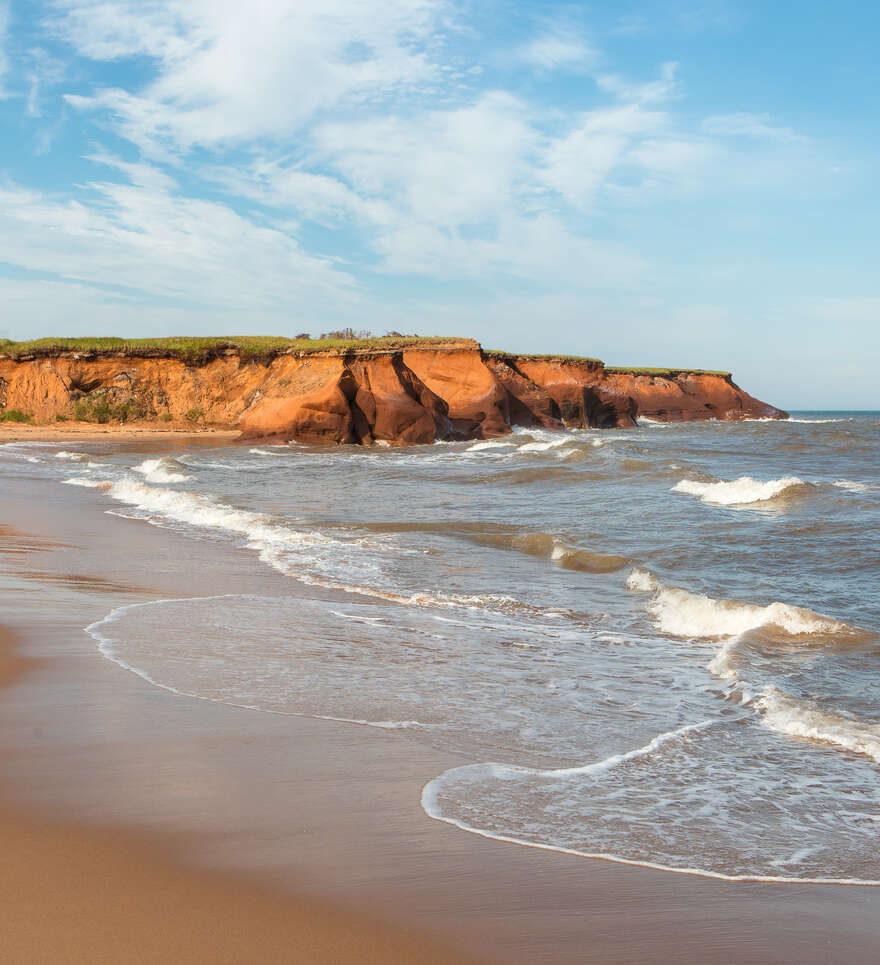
(72, 894)
(316, 808)
(89, 432)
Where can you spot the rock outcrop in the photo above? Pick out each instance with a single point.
(400, 396)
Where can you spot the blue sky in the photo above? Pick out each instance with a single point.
(676, 182)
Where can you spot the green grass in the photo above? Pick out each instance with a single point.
(635, 370)
(15, 415)
(200, 350)
(101, 411)
(497, 353)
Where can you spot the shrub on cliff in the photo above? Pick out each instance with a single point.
(102, 411)
(347, 335)
(15, 415)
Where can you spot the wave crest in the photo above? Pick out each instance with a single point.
(164, 470)
(804, 718)
(681, 613)
(739, 492)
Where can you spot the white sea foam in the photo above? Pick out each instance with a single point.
(107, 646)
(641, 581)
(850, 486)
(544, 446)
(739, 492)
(690, 615)
(204, 511)
(694, 615)
(433, 790)
(813, 421)
(490, 445)
(72, 456)
(162, 470)
(87, 483)
(652, 423)
(804, 718)
(275, 542)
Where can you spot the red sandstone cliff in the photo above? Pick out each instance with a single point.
(401, 396)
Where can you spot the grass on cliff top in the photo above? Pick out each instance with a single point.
(203, 349)
(636, 370)
(555, 357)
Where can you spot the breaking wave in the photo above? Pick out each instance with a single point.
(689, 615)
(308, 556)
(797, 717)
(164, 470)
(692, 615)
(739, 492)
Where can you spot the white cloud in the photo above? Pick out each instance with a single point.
(754, 126)
(674, 159)
(560, 46)
(368, 119)
(579, 163)
(445, 167)
(320, 198)
(651, 92)
(143, 238)
(42, 73)
(230, 72)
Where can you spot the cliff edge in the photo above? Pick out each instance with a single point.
(394, 390)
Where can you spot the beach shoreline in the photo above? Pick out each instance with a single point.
(126, 432)
(75, 894)
(269, 806)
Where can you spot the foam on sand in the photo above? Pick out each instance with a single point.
(739, 492)
(476, 775)
(307, 556)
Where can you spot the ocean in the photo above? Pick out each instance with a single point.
(657, 646)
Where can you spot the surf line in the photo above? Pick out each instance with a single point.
(431, 807)
(105, 648)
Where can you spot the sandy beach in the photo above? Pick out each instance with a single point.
(119, 432)
(75, 894)
(140, 825)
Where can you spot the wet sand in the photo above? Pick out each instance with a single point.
(127, 432)
(263, 807)
(71, 894)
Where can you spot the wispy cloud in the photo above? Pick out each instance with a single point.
(650, 92)
(143, 237)
(229, 72)
(759, 127)
(559, 45)
(311, 159)
(42, 72)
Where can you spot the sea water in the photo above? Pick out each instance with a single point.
(658, 646)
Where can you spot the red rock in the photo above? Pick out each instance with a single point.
(689, 396)
(410, 396)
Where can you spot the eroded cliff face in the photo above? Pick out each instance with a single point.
(409, 396)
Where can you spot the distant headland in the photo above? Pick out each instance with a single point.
(346, 387)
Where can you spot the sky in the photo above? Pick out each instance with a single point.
(664, 182)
